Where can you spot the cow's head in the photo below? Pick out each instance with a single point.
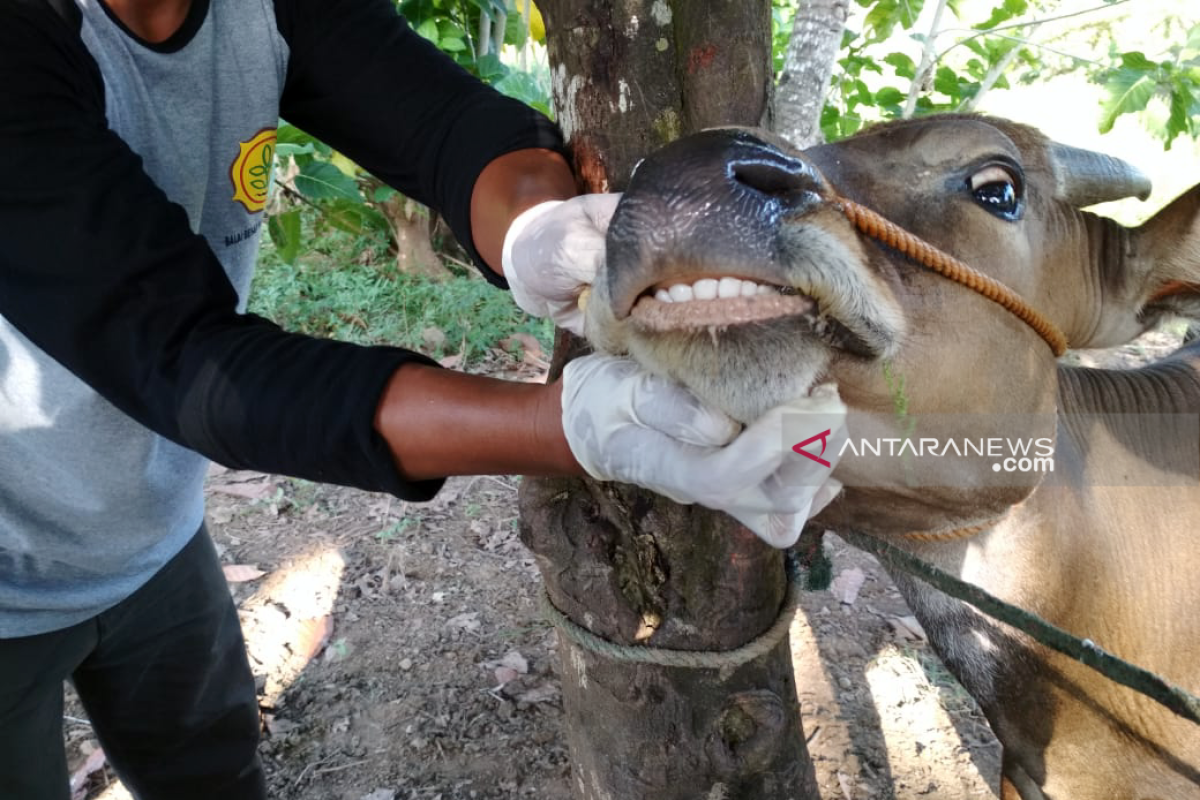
(732, 269)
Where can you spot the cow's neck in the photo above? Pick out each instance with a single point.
(1170, 386)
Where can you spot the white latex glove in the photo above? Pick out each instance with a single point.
(626, 424)
(552, 251)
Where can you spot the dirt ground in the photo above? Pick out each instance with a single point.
(401, 654)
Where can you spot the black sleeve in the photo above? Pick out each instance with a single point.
(362, 81)
(102, 272)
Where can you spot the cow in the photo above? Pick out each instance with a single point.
(752, 273)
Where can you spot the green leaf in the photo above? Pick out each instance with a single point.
(452, 45)
(1179, 120)
(321, 180)
(354, 217)
(514, 28)
(290, 134)
(904, 66)
(523, 87)
(383, 193)
(285, 232)
(889, 95)
(887, 14)
(1137, 61)
(1193, 40)
(490, 68)
(1009, 9)
(1128, 91)
(429, 30)
(449, 29)
(288, 150)
(947, 82)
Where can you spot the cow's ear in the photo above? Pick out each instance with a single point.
(1145, 273)
(1165, 254)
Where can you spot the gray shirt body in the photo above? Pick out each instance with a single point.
(92, 503)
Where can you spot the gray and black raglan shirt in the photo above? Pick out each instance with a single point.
(132, 182)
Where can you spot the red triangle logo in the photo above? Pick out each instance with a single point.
(823, 436)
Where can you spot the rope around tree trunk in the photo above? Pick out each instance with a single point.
(1085, 651)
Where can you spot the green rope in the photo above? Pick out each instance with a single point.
(1085, 651)
(724, 660)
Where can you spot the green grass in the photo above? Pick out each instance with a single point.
(346, 287)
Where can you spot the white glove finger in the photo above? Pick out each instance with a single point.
(815, 434)
(777, 530)
(668, 407)
(825, 495)
(600, 207)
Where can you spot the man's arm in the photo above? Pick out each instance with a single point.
(441, 423)
(509, 185)
(419, 122)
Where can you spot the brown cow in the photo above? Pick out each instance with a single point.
(1106, 546)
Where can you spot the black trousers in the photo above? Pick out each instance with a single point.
(166, 684)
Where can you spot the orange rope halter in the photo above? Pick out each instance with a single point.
(951, 536)
(948, 266)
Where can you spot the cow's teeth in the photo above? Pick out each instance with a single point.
(705, 289)
(729, 287)
(681, 293)
(713, 288)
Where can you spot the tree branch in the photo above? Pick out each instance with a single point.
(807, 68)
(928, 60)
(975, 34)
(994, 74)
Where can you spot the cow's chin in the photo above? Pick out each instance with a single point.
(743, 368)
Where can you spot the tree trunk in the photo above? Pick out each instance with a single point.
(807, 67)
(412, 232)
(628, 565)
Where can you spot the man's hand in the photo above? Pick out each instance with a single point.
(625, 424)
(552, 251)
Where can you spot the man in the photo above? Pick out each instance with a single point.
(135, 147)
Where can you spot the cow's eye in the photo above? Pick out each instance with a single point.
(998, 191)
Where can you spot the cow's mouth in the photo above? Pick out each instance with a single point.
(718, 304)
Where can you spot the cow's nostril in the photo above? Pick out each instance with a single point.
(793, 183)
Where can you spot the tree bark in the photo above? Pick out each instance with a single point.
(807, 67)
(626, 564)
(412, 233)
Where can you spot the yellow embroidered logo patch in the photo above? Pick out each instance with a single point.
(251, 170)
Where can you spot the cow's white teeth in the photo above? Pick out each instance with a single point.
(712, 288)
(705, 289)
(681, 293)
(729, 287)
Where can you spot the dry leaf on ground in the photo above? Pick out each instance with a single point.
(846, 585)
(311, 636)
(240, 573)
(250, 491)
(79, 777)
